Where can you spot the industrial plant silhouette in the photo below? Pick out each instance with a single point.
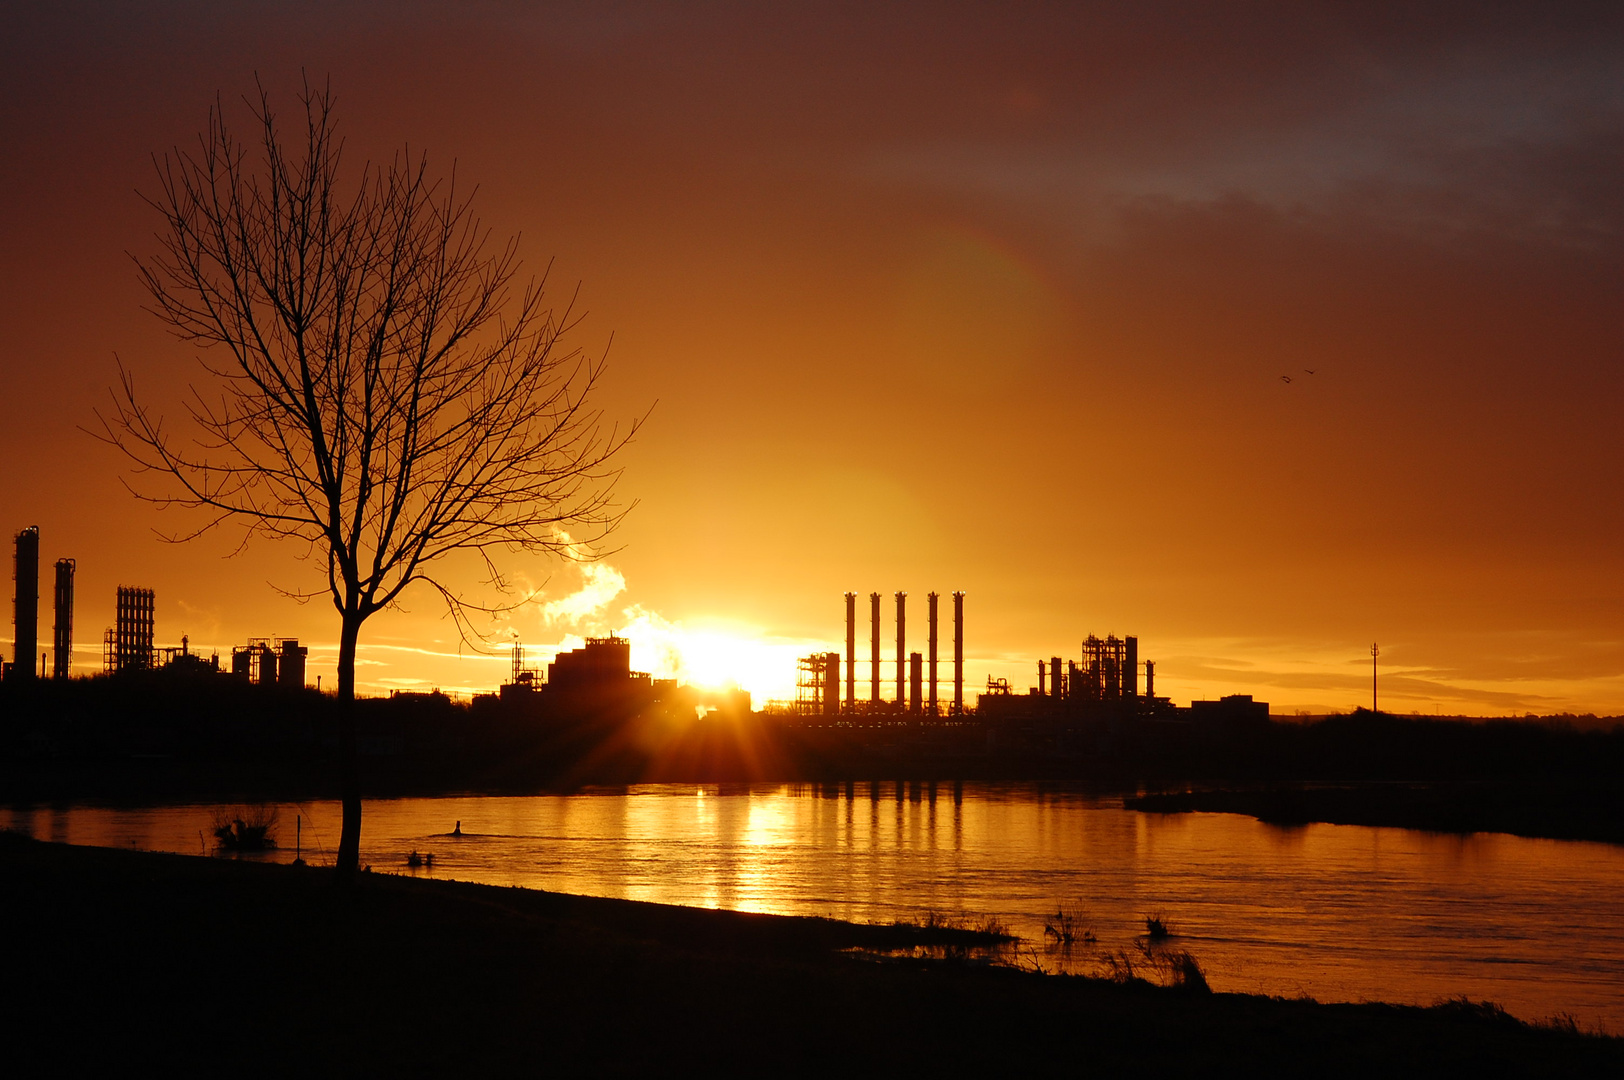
(163, 720)
(597, 678)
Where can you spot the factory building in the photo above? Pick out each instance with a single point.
(270, 662)
(1104, 681)
(916, 679)
(597, 685)
(601, 664)
(1109, 672)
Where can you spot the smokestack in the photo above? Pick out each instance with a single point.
(1130, 677)
(1043, 680)
(915, 662)
(831, 684)
(64, 618)
(930, 601)
(1055, 687)
(1150, 681)
(874, 648)
(851, 651)
(25, 604)
(958, 653)
(902, 635)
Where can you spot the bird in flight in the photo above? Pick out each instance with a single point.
(1309, 370)
(1285, 378)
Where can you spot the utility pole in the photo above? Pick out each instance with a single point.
(1373, 652)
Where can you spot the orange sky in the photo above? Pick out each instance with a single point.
(998, 300)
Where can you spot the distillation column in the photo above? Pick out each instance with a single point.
(851, 651)
(902, 634)
(958, 653)
(62, 659)
(874, 648)
(930, 601)
(831, 684)
(25, 605)
(1130, 674)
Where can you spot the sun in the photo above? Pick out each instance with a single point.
(718, 656)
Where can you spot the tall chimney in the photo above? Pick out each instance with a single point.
(25, 605)
(914, 665)
(1150, 682)
(831, 684)
(1055, 686)
(874, 648)
(851, 651)
(902, 636)
(63, 658)
(1130, 676)
(930, 601)
(1043, 685)
(958, 653)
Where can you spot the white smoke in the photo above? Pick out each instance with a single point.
(712, 656)
(600, 584)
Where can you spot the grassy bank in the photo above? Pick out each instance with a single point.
(121, 957)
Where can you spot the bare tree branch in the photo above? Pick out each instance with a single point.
(382, 386)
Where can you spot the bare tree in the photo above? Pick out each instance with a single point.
(383, 389)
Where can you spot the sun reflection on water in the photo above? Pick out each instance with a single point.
(1338, 912)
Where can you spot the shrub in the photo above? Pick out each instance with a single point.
(1069, 925)
(1157, 928)
(246, 828)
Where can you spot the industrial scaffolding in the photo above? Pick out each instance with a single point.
(817, 685)
(127, 646)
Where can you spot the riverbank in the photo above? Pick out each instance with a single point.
(121, 957)
(1547, 810)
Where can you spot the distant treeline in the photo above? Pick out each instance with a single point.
(157, 735)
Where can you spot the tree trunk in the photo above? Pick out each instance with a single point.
(349, 765)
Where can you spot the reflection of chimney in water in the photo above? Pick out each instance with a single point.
(874, 648)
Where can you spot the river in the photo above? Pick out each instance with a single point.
(1340, 913)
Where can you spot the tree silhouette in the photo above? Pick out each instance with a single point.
(382, 388)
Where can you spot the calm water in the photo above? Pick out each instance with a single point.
(1341, 913)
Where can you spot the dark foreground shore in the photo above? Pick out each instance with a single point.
(121, 958)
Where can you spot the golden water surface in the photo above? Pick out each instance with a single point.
(1340, 913)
